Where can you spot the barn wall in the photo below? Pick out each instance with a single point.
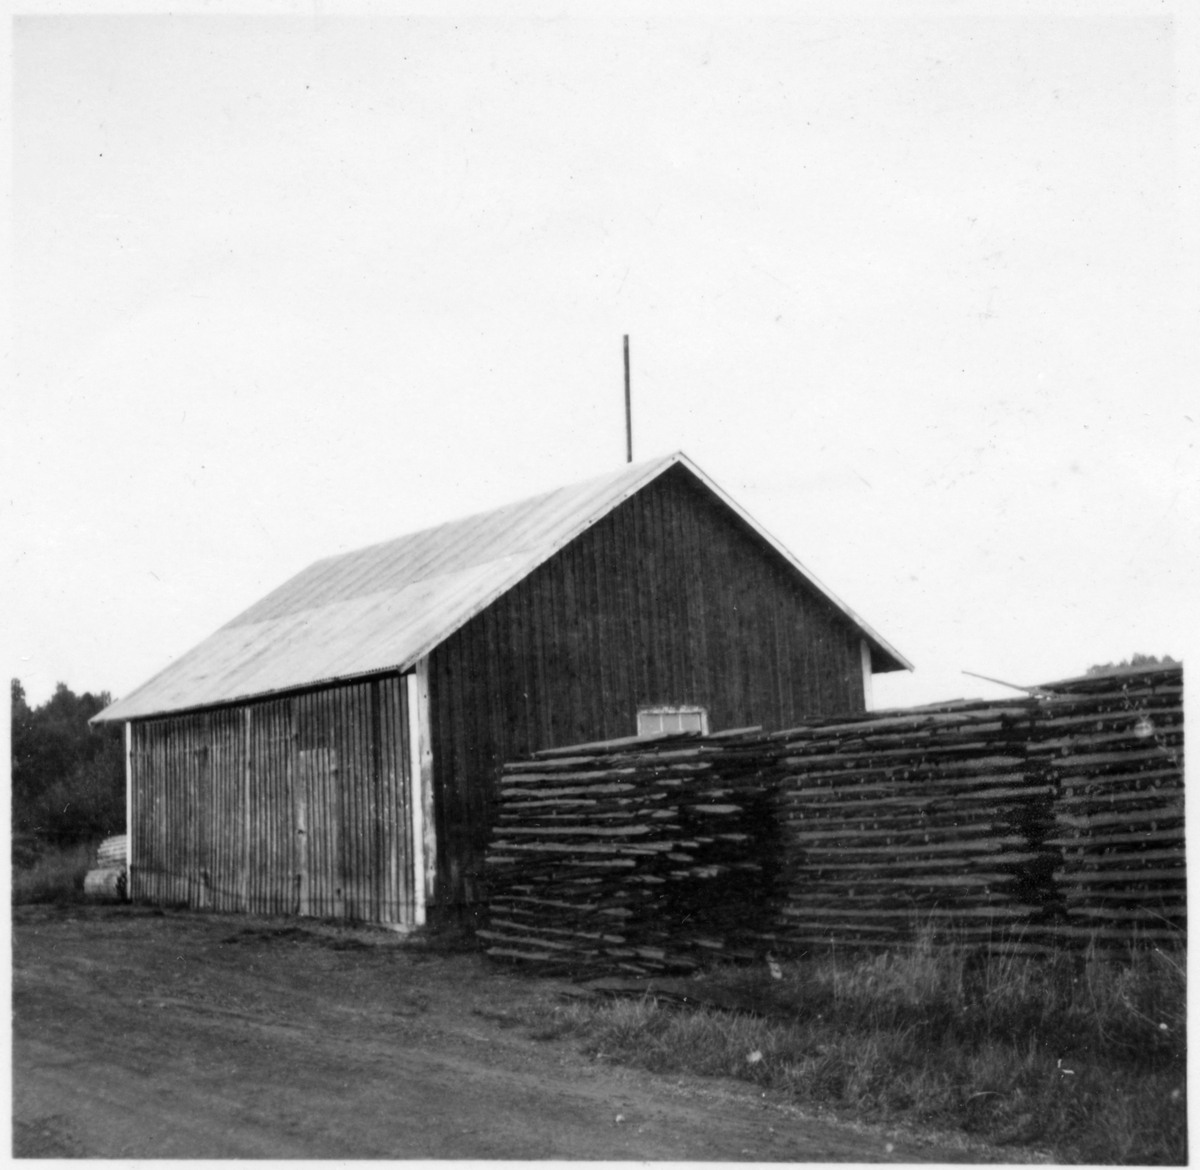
(299, 805)
(668, 599)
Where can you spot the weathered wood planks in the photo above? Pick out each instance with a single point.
(1118, 831)
(1022, 824)
(298, 805)
(627, 856)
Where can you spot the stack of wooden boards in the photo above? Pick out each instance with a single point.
(1115, 759)
(1040, 822)
(633, 855)
(913, 818)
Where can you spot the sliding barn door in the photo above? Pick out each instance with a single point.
(352, 806)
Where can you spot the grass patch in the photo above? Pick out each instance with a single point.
(54, 875)
(1081, 1054)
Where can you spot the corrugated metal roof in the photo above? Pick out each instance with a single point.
(384, 607)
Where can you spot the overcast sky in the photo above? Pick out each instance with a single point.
(912, 288)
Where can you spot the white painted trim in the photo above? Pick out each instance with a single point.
(247, 850)
(128, 808)
(428, 825)
(415, 803)
(868, 687)
(300, 827)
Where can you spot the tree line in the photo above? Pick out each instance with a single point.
(68, 778)
(1137, 662)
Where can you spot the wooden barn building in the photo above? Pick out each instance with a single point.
(333, 750)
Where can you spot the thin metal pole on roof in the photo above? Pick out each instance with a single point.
(628, 409)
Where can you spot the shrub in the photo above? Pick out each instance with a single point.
(56, 875)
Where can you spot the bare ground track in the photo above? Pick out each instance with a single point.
(177, 1035)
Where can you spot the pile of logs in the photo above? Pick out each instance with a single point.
(1113, 749)
(1035, 823)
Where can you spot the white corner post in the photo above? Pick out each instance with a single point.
(128, 809)
(868, 696)
(244, 857)
(424, 832)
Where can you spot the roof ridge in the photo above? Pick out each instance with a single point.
(386, 605)
(575, 485)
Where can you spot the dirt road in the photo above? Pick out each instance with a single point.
(180, 1035)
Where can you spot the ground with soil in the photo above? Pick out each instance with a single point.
(139, 1033)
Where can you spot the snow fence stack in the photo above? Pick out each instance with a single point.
(910, 821)
(1112, 747)
(630, 856)
(1030, 825)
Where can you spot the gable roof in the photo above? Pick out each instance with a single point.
(383, 607)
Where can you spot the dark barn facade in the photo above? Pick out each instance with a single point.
(332, 751)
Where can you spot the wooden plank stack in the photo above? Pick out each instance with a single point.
(909, 819)
(721, 896)
(632, 855)
(1025, 825)
(1113, 748)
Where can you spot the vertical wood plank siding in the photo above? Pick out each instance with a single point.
(668, 599)
(309, 811)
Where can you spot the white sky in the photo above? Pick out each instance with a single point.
(914, 288)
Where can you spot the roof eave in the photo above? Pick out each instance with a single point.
(119, 716)
(884, 657)
(890, 658)
(651, 470)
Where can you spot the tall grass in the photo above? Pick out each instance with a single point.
(55, 875)
(1082, 1054)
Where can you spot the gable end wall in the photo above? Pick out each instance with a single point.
(668, 599)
